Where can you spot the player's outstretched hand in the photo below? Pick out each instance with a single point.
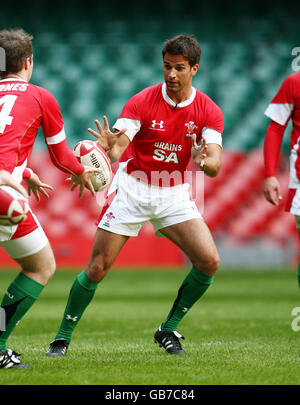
(105, 138)
(198, 152)
(83, 180)
(6, 179)
(272, 190)
(35, 186)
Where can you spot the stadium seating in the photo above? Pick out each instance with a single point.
(93, 62)
(231, 202)
(257, 218)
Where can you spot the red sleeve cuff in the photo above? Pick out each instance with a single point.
(64, 159)
(27, 174)
(272, 146)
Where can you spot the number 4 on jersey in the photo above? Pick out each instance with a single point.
(7, 102)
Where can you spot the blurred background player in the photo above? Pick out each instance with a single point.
(162, 126)
(25, 107)
(284, 106)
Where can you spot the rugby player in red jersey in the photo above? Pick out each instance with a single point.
(162, 126)
(284, 106)
(25, 107)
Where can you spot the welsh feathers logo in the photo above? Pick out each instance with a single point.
(109, 217)
(190, 129)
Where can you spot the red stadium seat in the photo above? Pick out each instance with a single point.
(258, 214)
(282, 229)
(232, 203)
(230, 163)
(238, 190)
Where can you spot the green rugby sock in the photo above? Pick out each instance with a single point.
(80, 296)
(298, 274)
(19, 297)
(192, 288)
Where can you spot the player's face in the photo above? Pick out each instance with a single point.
(178, 73)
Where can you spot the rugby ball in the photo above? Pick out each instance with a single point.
(13, 206)
(90, 153)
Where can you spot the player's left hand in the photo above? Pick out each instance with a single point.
(83, 180)
(35, 186)
(198, 152)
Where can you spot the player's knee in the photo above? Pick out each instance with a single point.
(52, 268)
(41, 270)
(213, 264)
(97, 269)
(47, 266)
(209, 265)
(49, 270)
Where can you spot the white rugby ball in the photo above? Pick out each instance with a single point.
(90, 153)
(13, 206)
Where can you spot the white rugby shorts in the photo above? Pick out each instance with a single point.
(293, 204)
(293, 201)
(132, 202)
(24, 239)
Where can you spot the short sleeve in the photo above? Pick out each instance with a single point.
(132, 126)
(282, 105)
(213, 124)
(214, 117)
(52, 121)
(132, 109)
(130, 117)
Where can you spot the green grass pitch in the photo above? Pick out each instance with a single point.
(238, 333)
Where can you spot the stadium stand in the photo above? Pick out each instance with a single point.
(93, 56)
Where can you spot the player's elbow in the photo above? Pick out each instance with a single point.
(213, 170)
(213, 173)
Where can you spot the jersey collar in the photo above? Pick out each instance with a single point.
(13, 79)
(179, 105)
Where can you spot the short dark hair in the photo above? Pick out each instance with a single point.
(17, 47)
(185, 45)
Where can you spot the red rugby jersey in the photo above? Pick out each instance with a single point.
(25, 107)
(160, 131)
(284, 106)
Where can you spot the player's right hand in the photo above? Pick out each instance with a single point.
(84, 180)
(272, 190)
(6, 179)
(198, 152)
(105, 138)
(35, 186)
